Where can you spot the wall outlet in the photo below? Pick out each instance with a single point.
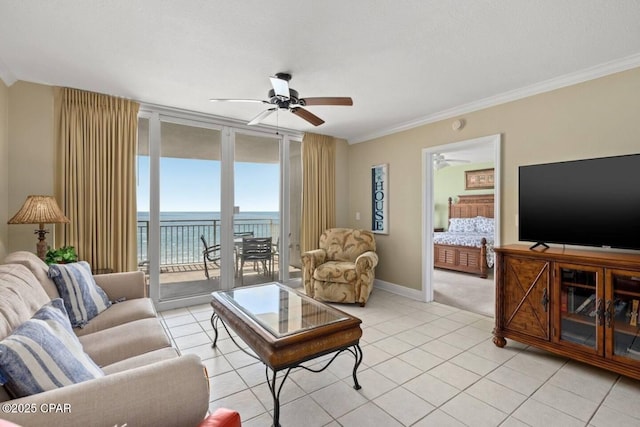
(357, 216)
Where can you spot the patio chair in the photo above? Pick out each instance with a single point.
(258, 250)
(210, 254)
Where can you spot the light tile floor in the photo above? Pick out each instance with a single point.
(425, 364)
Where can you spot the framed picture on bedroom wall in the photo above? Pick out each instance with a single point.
(380, 199)
(480, 179)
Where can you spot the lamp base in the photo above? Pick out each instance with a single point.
(41, 247)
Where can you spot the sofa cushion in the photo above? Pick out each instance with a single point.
(83, 299)
(44, 354)
(123, 341)
(21, 295)
(118, 314)
(38, 267)
(144, 359)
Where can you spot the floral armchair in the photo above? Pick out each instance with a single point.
(342, 269)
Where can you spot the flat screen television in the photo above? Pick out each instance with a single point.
(593, 202)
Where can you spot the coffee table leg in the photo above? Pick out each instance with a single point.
(275, 393)
(358, 355)
(214, 324)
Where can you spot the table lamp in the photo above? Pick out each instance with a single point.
(39, 210)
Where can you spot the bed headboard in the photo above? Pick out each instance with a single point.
(471, 206)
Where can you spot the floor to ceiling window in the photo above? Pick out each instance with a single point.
(215, 207)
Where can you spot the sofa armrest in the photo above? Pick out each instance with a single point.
(129, 285)
(170, 393)
(366, 261)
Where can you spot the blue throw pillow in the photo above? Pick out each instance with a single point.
(82, 297)
(44, 354)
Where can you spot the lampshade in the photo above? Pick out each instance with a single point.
(39, 210)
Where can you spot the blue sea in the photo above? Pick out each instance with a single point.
(180, 232)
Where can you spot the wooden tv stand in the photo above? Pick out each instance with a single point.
(579, 304)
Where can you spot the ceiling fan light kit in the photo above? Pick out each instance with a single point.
(281, 96)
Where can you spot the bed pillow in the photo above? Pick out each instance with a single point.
(82, 297)
(462, 225)
(44, 354)
(485, 225)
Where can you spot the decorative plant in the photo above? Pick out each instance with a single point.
(63, 255)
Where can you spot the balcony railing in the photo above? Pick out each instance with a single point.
(180, 239)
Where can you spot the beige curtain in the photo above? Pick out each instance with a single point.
(97, 137)
(318, 188)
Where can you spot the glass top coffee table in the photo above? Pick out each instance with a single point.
(285, 328)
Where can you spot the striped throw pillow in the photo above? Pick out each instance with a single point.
(44, 354)
(82, 297)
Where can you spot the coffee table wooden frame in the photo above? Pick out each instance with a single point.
(290, 351)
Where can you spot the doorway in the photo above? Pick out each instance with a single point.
(461, 156)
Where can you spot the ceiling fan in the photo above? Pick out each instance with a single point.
(284, 97)
(441, 161)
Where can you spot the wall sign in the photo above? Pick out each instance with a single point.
(380, 199)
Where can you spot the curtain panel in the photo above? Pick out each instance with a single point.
(318, 188)
(97, 137)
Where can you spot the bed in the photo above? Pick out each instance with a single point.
(467, 245)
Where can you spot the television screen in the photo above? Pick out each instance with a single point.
(594, 202)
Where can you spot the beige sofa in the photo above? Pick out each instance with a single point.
(146, 382)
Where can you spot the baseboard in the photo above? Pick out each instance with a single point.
(398, 290)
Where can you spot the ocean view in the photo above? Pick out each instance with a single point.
(180, 241)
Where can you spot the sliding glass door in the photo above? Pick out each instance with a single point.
(217, 207)
(186, 225)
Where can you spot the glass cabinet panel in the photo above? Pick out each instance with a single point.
(579, 306)
(622, 314)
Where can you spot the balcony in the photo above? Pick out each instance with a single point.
(181, 266)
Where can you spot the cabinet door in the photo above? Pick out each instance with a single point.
(622, 321)
(526, 296)
(580, 307)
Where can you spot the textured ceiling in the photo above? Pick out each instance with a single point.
(403, 62)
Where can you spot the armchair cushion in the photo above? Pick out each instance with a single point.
(83, 299)
(43, 354)
(336, 271)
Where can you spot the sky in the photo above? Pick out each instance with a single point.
(190, 185)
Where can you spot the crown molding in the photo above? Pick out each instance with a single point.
(587, 74)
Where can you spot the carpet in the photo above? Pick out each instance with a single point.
(465, 291)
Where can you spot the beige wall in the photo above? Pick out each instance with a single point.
(592, 119)
(4, 168)
(31, 155)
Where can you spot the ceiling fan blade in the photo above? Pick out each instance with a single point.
(308, 116)
(280, 87)
(239, 100)
(260, 117)
(327, 100)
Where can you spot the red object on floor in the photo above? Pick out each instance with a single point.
(222, 417)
